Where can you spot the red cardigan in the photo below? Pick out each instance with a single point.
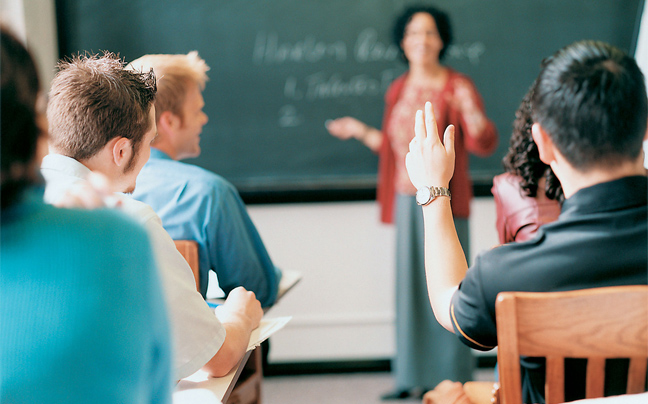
(461, 184)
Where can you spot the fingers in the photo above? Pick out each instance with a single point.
(449, 140)
(430, 123)
(419, 127)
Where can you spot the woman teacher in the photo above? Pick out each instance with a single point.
(426, 354)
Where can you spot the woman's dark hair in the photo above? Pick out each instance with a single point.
(523, 158)
(20, 131)
(440, 18)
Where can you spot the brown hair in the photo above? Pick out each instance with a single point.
(175, 73)
(94, 99)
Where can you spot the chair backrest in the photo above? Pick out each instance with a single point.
(595, 324)
(189, 250)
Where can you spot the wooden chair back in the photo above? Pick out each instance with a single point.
(189, 250)
(595, 324)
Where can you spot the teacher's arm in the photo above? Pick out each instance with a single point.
(348, 127)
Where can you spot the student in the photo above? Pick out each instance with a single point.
(527, 195)
(80, 315)
(102, 119)
(193, 203)
(589, 113)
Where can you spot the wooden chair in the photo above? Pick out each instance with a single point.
(247, 389)
(594, 324)
(189, 250)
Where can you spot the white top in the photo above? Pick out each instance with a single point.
(197, 333)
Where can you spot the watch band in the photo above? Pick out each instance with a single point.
(433, 193)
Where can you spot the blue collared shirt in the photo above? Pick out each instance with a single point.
(196, 204)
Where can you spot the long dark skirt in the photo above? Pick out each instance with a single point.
(426, 353)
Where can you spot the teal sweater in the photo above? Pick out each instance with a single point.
(81, 314)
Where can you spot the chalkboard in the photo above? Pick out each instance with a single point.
(281, 68)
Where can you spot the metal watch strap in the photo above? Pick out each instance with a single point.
(436, 192)
(441, 191)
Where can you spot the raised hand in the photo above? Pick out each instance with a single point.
(430, 162)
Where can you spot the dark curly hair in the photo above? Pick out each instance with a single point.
(20, 131)
(523, 158)
(440, 18)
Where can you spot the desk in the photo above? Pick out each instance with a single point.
(220, 388)
(245, 378)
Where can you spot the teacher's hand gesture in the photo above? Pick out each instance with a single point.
(430, 162)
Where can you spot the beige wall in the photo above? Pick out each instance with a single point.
(34, 21)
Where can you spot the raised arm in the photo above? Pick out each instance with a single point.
(480, 132)
(431, 163)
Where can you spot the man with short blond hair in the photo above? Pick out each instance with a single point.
(192, 202)
(102, 119)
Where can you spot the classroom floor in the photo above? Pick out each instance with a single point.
(356, 388)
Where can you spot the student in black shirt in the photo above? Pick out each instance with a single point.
(590, 113)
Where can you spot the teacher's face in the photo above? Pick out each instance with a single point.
(421, 40)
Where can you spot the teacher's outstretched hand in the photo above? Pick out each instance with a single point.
(430, 162)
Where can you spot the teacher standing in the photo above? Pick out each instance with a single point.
(426, 354)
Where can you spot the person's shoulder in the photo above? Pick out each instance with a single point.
(395, 87)
(137, 210)
(456, 78)
(457, 75)
(96, 226)
(193, 174)
(506, 188)
(103, 219)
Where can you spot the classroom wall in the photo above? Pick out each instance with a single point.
(34, 21)
(344, 305)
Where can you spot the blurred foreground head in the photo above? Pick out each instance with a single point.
(20, 118)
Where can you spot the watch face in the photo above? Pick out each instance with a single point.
(423, 195)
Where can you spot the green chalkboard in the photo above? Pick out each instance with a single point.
(281, 68)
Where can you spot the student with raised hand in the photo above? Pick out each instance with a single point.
(102, 119)
(425, 354)
(194, 203)
(81, 317)
(589, 112)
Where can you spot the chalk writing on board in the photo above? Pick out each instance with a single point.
(470, 50)
(323, 85)
(269, 49)
(369, 49)
(289, 117)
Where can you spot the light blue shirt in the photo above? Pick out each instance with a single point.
(196, 204)
(81, 314)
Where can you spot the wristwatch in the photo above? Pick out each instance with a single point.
(425, 195)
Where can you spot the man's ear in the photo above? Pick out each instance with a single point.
(168, 122)
(544, 143)
(122, 151)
